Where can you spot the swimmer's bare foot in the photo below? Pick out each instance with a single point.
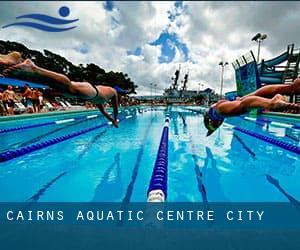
(11, 59)
(296, 85)
(279, 104)
(115, 123)
(27, 66)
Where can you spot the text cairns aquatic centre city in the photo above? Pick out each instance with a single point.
(139, 215)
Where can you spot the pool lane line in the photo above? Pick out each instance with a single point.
(259, 121)
(276, 142)
(57, 122)
(92, 141)
(88, 145)
(250, 119)
(197, 167)
(281, 144)
(263, 121)
(136, 167)
(292, 138)
(40, 137)
(158, 186)
(244, 145)
(193, 110)
(280, 124)
(276, 184)
(104, 178)
(11, 154)
(40, 192)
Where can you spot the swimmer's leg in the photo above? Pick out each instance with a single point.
(247, 103)
(11, 58)
(282, 89)
(64, 82)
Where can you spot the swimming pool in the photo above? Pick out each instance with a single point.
(115, 165)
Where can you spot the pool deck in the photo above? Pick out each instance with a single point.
(79, 111)
(281, 115)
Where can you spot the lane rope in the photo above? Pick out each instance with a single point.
(11, 154)
(287, 146)
(157, 191)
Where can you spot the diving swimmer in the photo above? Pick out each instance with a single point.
(267, 97)
(96, 94)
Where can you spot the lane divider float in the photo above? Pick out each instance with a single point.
(11, 154)
(157, 191)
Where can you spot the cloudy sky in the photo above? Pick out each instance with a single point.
(148, 40)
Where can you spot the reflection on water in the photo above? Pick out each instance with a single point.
(212, 178)
(110, 188)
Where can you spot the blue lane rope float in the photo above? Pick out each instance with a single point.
(287, 146)
(58, 122)
(11, 154)
(157, 191)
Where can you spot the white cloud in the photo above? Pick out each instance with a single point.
(212, 31)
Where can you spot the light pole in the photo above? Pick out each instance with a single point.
(259, 38)
(155, 85)
(222, 64)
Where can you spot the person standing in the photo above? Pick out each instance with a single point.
(35, 100)
(9, 98)
(3, 110)
(27, 95)
(41, 100)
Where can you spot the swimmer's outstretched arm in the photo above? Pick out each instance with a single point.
(107, 115)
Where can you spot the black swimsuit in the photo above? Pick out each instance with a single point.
(97, 93)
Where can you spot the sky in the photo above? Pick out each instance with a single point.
(148, 40)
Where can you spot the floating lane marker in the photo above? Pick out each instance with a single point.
(157, 191)
(11, 154)
(7, 130)
(250, 119)
(287, 146)
(91, 116)
(262, 122)
(280, 124)
(65, 121)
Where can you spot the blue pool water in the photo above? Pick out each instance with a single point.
(110, 164)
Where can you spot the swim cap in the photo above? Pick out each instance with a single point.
(211, 124)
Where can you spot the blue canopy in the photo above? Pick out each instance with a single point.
(18, 83)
